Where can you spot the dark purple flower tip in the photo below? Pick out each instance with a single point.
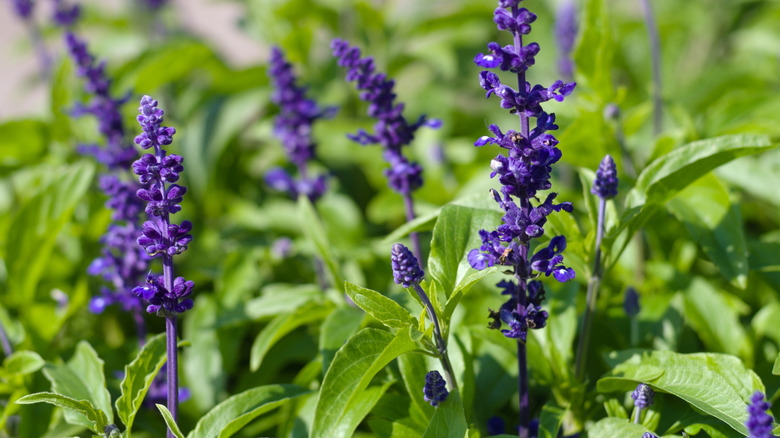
(649, 435)
(631, 302)
(759, 422)
(406, 270)
(64, 15)
(496, 425)
(435, 389)
(23, 8)
(605, 186)
(643, 396)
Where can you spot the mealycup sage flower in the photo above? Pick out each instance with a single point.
(293, 127)
(435, 389)
(407, 273)
(392, 130)
(523, 172)
(759, 423)
(605, 186)
(643, 399)
(158, 173)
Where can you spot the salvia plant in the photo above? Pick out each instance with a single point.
(589, 261)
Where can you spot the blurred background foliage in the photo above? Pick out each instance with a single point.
(720, 75)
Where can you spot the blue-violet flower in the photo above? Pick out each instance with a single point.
(605, 186)
(759, 422)
(406, 270)
(435, 389)
(643, 396)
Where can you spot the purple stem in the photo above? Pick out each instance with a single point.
(172, 368)
(443, 357)
(414, 237)
(655, 51)
(521, 271)
(593, 290)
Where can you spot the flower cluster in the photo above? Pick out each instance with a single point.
(106, 109)
(435, 389)
(605, 186)
(643, 396)
(392, 131)
(293, 127)
(159, 237)
(523, 172)
(64, 15)
(759, 423)
(23, 8)
(406, 270)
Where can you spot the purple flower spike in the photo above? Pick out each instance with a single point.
(64, 15)
(406, 271)
(643, 396)
(759, 422)
(293, 127)
(435, 390)
(605, 186)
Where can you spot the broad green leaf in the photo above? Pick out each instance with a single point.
(464, 286)
(715, 320)
(383, 309)
(455, 234)
(34, 229)
(342, 323)
(355, 364)
(169, 421)
(281, 326)
(139, 375)
(21, 363)
(202, 364)
(279, 298)
(418, 224)
(81, 378)
(550, 421)
(363, 403)
(22, 142)
(716, 225)
(228, 417)
(448, 420)
(312, 228)
(616, 427)
(89, 416)
(716, 384)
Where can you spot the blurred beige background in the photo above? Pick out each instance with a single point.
(21, 91)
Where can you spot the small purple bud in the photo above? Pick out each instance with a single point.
(631, 302)
(605, 186)
(643, 396)
(406, 270)
(435, 389)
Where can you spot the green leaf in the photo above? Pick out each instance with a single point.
(383, 309)
(312, 228)
(34, 229)
(139, 375)
(593, 54)
(715, 319)
(363, 403)
(169, 421)
(202, 364)
(448, 420)
(355, 364)
(21, 363)
(91, 417)
(616, 427)
(413, 368)
(550, 421)
(22, 142)
(237, 411)
(281, 326)
(81, 378)
(716, 384)
(278, 298)
(776, 367)
(335, 330)
(716, 225)
(615, 409)
(455, 234)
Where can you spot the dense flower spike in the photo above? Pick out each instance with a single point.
(64, 15)
(435, 389)
(631, 302)
(392, 131)
(566, 28)
(759, 423)
(116, 153)
(406, 270)
(643, 396)
(605, 186)
(293, 127)
(523, 169)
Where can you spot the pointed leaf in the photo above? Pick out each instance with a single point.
(550, 421)
(449, 420)
(139, 375)
(89, 416)
(355, 364)
(616, 427)
(21, 363)
(383, 309)
(169, 421)
(231, 415)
